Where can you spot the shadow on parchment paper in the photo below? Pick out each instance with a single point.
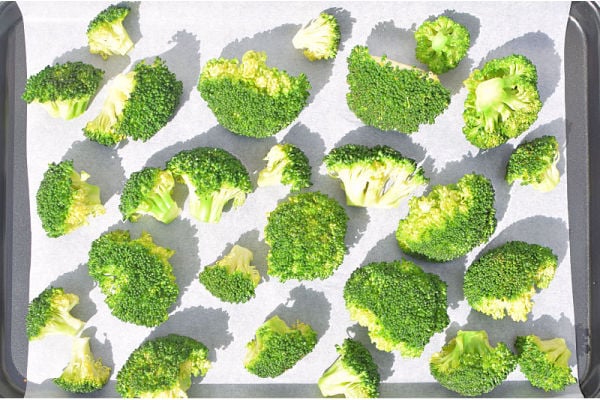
(301, 305)
(541, 50)
(132, 21)
(451, 272)
(371, 136)
(542, 230)
(79, 282)
(183, 59)
(552, 128)
(383, 359)
(102, 163)
(277, 43)
(506, 330)
(396, 43)
(217, 136)
(207, 325)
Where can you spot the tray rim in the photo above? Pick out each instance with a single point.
(13, 384)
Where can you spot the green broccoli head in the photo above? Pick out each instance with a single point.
(50, 314)
(286, 165)
(214, 178)
(319, 39)
(450, 220)
(392, 96)
(306, 237)
(545, 363)
(65, 200)
(534, 163)
(135, 276)
(503, 280)
(163, 368)
(106, 34)
(470, 366)
(148, 192)
(277, 347)
(63, 90)
(251, 98)
(441, 44)
(232, 278)
(354, 374)
(139, 104)
(400, 304)
(376, 176)
(84, 373)
(502, 101)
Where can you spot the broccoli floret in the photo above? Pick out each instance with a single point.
(63, 90)
(400, 304)
(545, 363)
(251, 98)
(163, 368)
(65, 200)
(534, 163)
(84, 373)
(214, 178)
(50, 314)
(376, 176)
(392, 96)
(286, 165)
(107, 35)
(138, 105)
(306, 237)
(503, 280)
(148, 192)
(470, 366)
(135, 276)
(277, 347)
(442, 44)
(319, 39)
(502, 101)
(232, 278)
(450, 220)
(354, 374)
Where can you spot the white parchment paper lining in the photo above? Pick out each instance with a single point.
(186, 35)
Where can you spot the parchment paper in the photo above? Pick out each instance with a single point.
(186, 35)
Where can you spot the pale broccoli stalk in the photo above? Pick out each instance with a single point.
(319, 39)
(106, 34)
(84, 373)
(102, 129)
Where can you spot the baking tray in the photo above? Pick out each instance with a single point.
(582, 118)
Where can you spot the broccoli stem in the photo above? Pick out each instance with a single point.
(550, 179)
(439, 41)
(209, 208)
(337, 380)
(162, 207)
(66, 109)
(65, 323)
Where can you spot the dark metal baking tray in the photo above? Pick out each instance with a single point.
(582, 70)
